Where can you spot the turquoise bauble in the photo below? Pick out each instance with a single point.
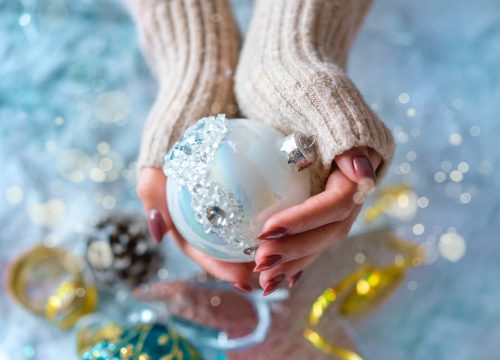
(226, 178)
(142, 342)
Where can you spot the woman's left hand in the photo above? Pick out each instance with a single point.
(295, 237)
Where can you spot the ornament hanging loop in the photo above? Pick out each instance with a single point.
(310, 141)
(299, 149)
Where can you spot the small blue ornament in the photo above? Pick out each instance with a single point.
(144, 342)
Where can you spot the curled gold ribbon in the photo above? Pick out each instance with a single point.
(33, 274)
(65, 306)
(361, 292)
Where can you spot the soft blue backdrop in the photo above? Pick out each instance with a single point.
(74, 89)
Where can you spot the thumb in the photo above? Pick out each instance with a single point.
(359, 165)
(151, 190)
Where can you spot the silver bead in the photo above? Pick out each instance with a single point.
(299, 149)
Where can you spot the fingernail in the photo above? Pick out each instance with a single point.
(274, 234)
(243, 287)
(156, 225)
(268, 262)
(294, 279)
(363, 168)
(273, 284)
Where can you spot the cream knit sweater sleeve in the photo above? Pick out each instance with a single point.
(192, 49)
(291, 75)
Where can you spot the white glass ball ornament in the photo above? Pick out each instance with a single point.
(226, 178)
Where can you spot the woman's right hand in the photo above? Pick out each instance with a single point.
(151, 187)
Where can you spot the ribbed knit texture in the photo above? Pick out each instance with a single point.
(192, 48)
(291, 75)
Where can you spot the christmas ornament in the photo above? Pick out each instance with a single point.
(103, 334)
(120, 251)
(226, 178)
(143, 342)
(49, 282)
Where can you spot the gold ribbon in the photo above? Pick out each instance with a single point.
(30, 275)
(360, 292)
(65, 306)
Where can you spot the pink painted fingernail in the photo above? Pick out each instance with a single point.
(243, 287)
(268, 262)
(294, 279)
(273, 284)
(274, 234)
(363, 168)
(156, 225)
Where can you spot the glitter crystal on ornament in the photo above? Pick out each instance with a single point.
(226, 178)
(120, 251)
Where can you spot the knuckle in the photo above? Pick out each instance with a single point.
(144, 189)
(339, 212)
(342, 213)
(309, 218)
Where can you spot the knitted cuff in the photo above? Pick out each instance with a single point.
(192, 48)
(291, 75)
(344, 122)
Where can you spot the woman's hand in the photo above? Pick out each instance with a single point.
(151, 187)
(295, 237)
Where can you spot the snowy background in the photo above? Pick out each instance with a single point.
(74, 92)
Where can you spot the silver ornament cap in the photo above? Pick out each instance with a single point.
(299, 149)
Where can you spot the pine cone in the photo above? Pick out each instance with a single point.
(120, 250)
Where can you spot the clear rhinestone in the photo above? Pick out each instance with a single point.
(172, 154)
(186, 149)
(194, 139)
(217, 210)
(216, 216)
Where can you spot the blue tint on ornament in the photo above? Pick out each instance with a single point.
(249, 164)
(197, 230)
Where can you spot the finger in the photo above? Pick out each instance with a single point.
(332, 205)
(234, 273)
(289, 269)
(151, 190)
(273, 253)
(359, 164)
